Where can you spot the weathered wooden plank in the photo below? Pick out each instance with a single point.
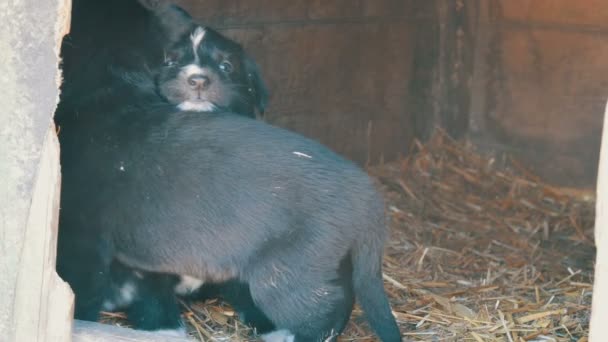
(538, 92)
(35, 305)
(96, 332)
(43, 302)
(264, 12)
(345, 86)
(559, 12)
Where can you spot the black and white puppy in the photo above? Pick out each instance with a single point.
(216, 198)
(115, 57)
(203, 71)
(207, 72)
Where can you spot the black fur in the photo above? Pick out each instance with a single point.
(115, 33)
(148, 305)
(109, 61)
(219, 196)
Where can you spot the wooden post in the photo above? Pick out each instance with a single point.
(43, 302)
(599, 310)
(35, 304)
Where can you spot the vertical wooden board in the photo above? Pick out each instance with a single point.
(60, 311)
(254, 12)
(599, 311)
(544, 100)
(580, 12)
(554, 83)
(29, 160)
(344, 85)
(37, 283)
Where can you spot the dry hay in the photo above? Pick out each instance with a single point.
(477, 253)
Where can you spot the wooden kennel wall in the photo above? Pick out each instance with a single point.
(365, 77)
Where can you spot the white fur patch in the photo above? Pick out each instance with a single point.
(300, 154)
(126, 295)
(108, 306)
(188, 285)
(179, 332)
(279, 336)
(197, 37)
(197, 106)
(192, 69)
(128, 292)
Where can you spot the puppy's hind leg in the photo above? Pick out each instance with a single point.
(155, 307)
(238, 295)
(307, 306)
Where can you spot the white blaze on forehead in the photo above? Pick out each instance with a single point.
(197, 37)
(192, 69)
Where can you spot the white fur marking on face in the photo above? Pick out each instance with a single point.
(202, 106)
(192, 69)
(279, 336)
(300, 154)
(179, 332)
(188, 285)
(197, 37)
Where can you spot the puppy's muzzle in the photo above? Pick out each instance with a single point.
(199, 82)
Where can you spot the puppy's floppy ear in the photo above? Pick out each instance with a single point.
(257, 88)
(173, 20)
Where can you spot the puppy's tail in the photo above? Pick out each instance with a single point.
(369, 289)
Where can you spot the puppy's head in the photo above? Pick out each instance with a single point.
(208, 72)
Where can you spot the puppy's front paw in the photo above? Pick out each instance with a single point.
(278, 336)
(179, 332)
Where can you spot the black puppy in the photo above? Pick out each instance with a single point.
(105, 36)
(218, 197)
(208, 72)
(132, 39)
(120, 66)
(109, 34)
(204, 71)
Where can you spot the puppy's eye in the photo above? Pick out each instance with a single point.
(226, 67)
(170, 60)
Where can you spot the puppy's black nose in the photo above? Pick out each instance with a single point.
(199, 82)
